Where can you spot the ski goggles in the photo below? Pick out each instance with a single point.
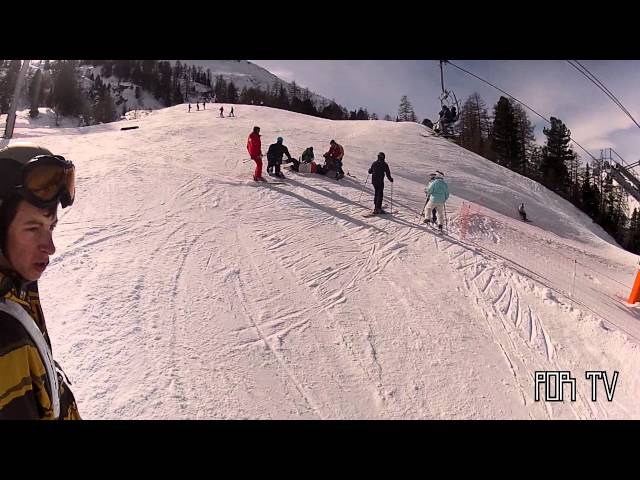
(47, 179)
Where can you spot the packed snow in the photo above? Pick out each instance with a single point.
(181, 289)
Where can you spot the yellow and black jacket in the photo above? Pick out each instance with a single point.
(24, 389)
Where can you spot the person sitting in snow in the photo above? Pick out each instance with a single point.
(333, 159)
(307, 155)
(306, 158)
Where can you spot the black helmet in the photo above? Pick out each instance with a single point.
(381, 155)
(37, 175)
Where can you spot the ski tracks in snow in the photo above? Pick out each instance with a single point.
(515, 323)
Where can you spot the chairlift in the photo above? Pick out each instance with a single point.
(447, 98)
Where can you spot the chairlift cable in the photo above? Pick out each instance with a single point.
(520, 102)
(590, 76)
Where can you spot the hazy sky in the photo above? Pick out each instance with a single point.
(551, 87)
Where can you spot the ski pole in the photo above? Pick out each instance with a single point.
(421, 211)
(362, 191)
(446, 222)
(392, 198)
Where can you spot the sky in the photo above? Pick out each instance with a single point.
(551, 87)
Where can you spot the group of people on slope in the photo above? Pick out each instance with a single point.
(204, 107)
(277, 151)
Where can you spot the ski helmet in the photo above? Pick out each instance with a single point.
(279, 139)
(37, 175)
(381, 155)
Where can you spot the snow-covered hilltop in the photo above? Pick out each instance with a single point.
(246, 74)
(182, 289)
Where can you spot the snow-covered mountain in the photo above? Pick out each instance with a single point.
(245, 74)
(182, 289)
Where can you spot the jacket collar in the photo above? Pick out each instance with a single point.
(9, 277)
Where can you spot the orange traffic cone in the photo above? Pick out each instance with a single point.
(635, 291)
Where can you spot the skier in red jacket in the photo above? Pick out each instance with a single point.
(254, 146)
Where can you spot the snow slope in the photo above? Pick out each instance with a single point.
(181, 289)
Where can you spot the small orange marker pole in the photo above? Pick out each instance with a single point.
(635, 291)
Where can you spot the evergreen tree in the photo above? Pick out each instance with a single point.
(66, 94)
(221, 89)
(104, 108)
(405, 111)
(232, 93)
(362, 114)
(633, 236)
(122, 69)
(244, 95)
(107, 69)
(282, 100)
(308, 108)
(525, 140)
(297, 105)
(8, 85)
(294, 91)
(504, 135)
(473, 127)
(556, 156)
(589, 195)
(535, 161)
(35, 91)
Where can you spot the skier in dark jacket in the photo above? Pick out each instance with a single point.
(378, 170)
(522, 212)
(274, 157)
